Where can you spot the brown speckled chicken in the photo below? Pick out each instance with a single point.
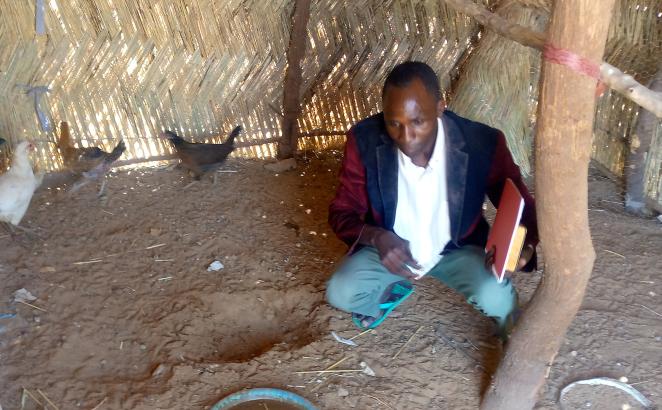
(89, 163)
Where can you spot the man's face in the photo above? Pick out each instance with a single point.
(410, 115)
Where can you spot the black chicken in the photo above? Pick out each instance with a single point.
(200, 158)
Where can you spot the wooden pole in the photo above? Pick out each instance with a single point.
(611, 76)
(635, 165)
(563, 149)
(291, 88)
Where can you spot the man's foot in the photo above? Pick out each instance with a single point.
(394, 297)
(505, 329)
(365, 322)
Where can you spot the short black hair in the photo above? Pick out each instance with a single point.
(404, 73)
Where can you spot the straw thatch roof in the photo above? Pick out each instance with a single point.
(128, 69)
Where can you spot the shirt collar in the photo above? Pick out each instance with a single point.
(437, 157)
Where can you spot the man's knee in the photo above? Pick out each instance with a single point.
(495, 299)
(340, 291)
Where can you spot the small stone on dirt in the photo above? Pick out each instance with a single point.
(367, 370)
(215, 266)
(23, 295)
(160, 369)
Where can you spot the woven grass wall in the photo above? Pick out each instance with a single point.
(129, 69)
(635, 46)
(498, 84)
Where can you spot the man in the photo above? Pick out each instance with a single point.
(409, 203)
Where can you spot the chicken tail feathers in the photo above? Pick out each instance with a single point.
(103, 167)
(116, 152)
(235, 132)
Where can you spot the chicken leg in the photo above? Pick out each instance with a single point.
(102, 190)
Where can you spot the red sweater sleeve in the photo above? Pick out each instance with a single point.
(349, 207)
(504, 167)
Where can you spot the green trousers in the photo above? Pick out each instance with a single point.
(361, 281)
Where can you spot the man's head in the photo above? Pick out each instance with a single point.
(411, 100)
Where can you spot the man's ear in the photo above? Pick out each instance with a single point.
(441, 107)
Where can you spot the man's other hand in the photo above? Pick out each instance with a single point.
(395, 254)
(524, 258)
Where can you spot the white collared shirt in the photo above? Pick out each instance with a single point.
(421, 215)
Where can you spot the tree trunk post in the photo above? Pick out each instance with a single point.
(563, 148)
(292, 84)
(635, 164)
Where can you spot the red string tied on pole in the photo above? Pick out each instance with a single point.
(574, 62)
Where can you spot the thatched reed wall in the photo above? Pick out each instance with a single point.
(128, 69)
(635, 46)
(498, 84)
(373, 37)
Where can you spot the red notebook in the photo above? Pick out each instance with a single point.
(503, 237)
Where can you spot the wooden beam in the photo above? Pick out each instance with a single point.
(291, 88)
(562, 149)
(611, 76)
(323, 133)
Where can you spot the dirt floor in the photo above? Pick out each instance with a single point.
(130, 318)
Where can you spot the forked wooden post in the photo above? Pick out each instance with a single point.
(563, 149)
(291, 89)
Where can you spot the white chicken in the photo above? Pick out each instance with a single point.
(17, 185)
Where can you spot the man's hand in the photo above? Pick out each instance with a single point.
(524, 258)
(489, 259)
(393, 251)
